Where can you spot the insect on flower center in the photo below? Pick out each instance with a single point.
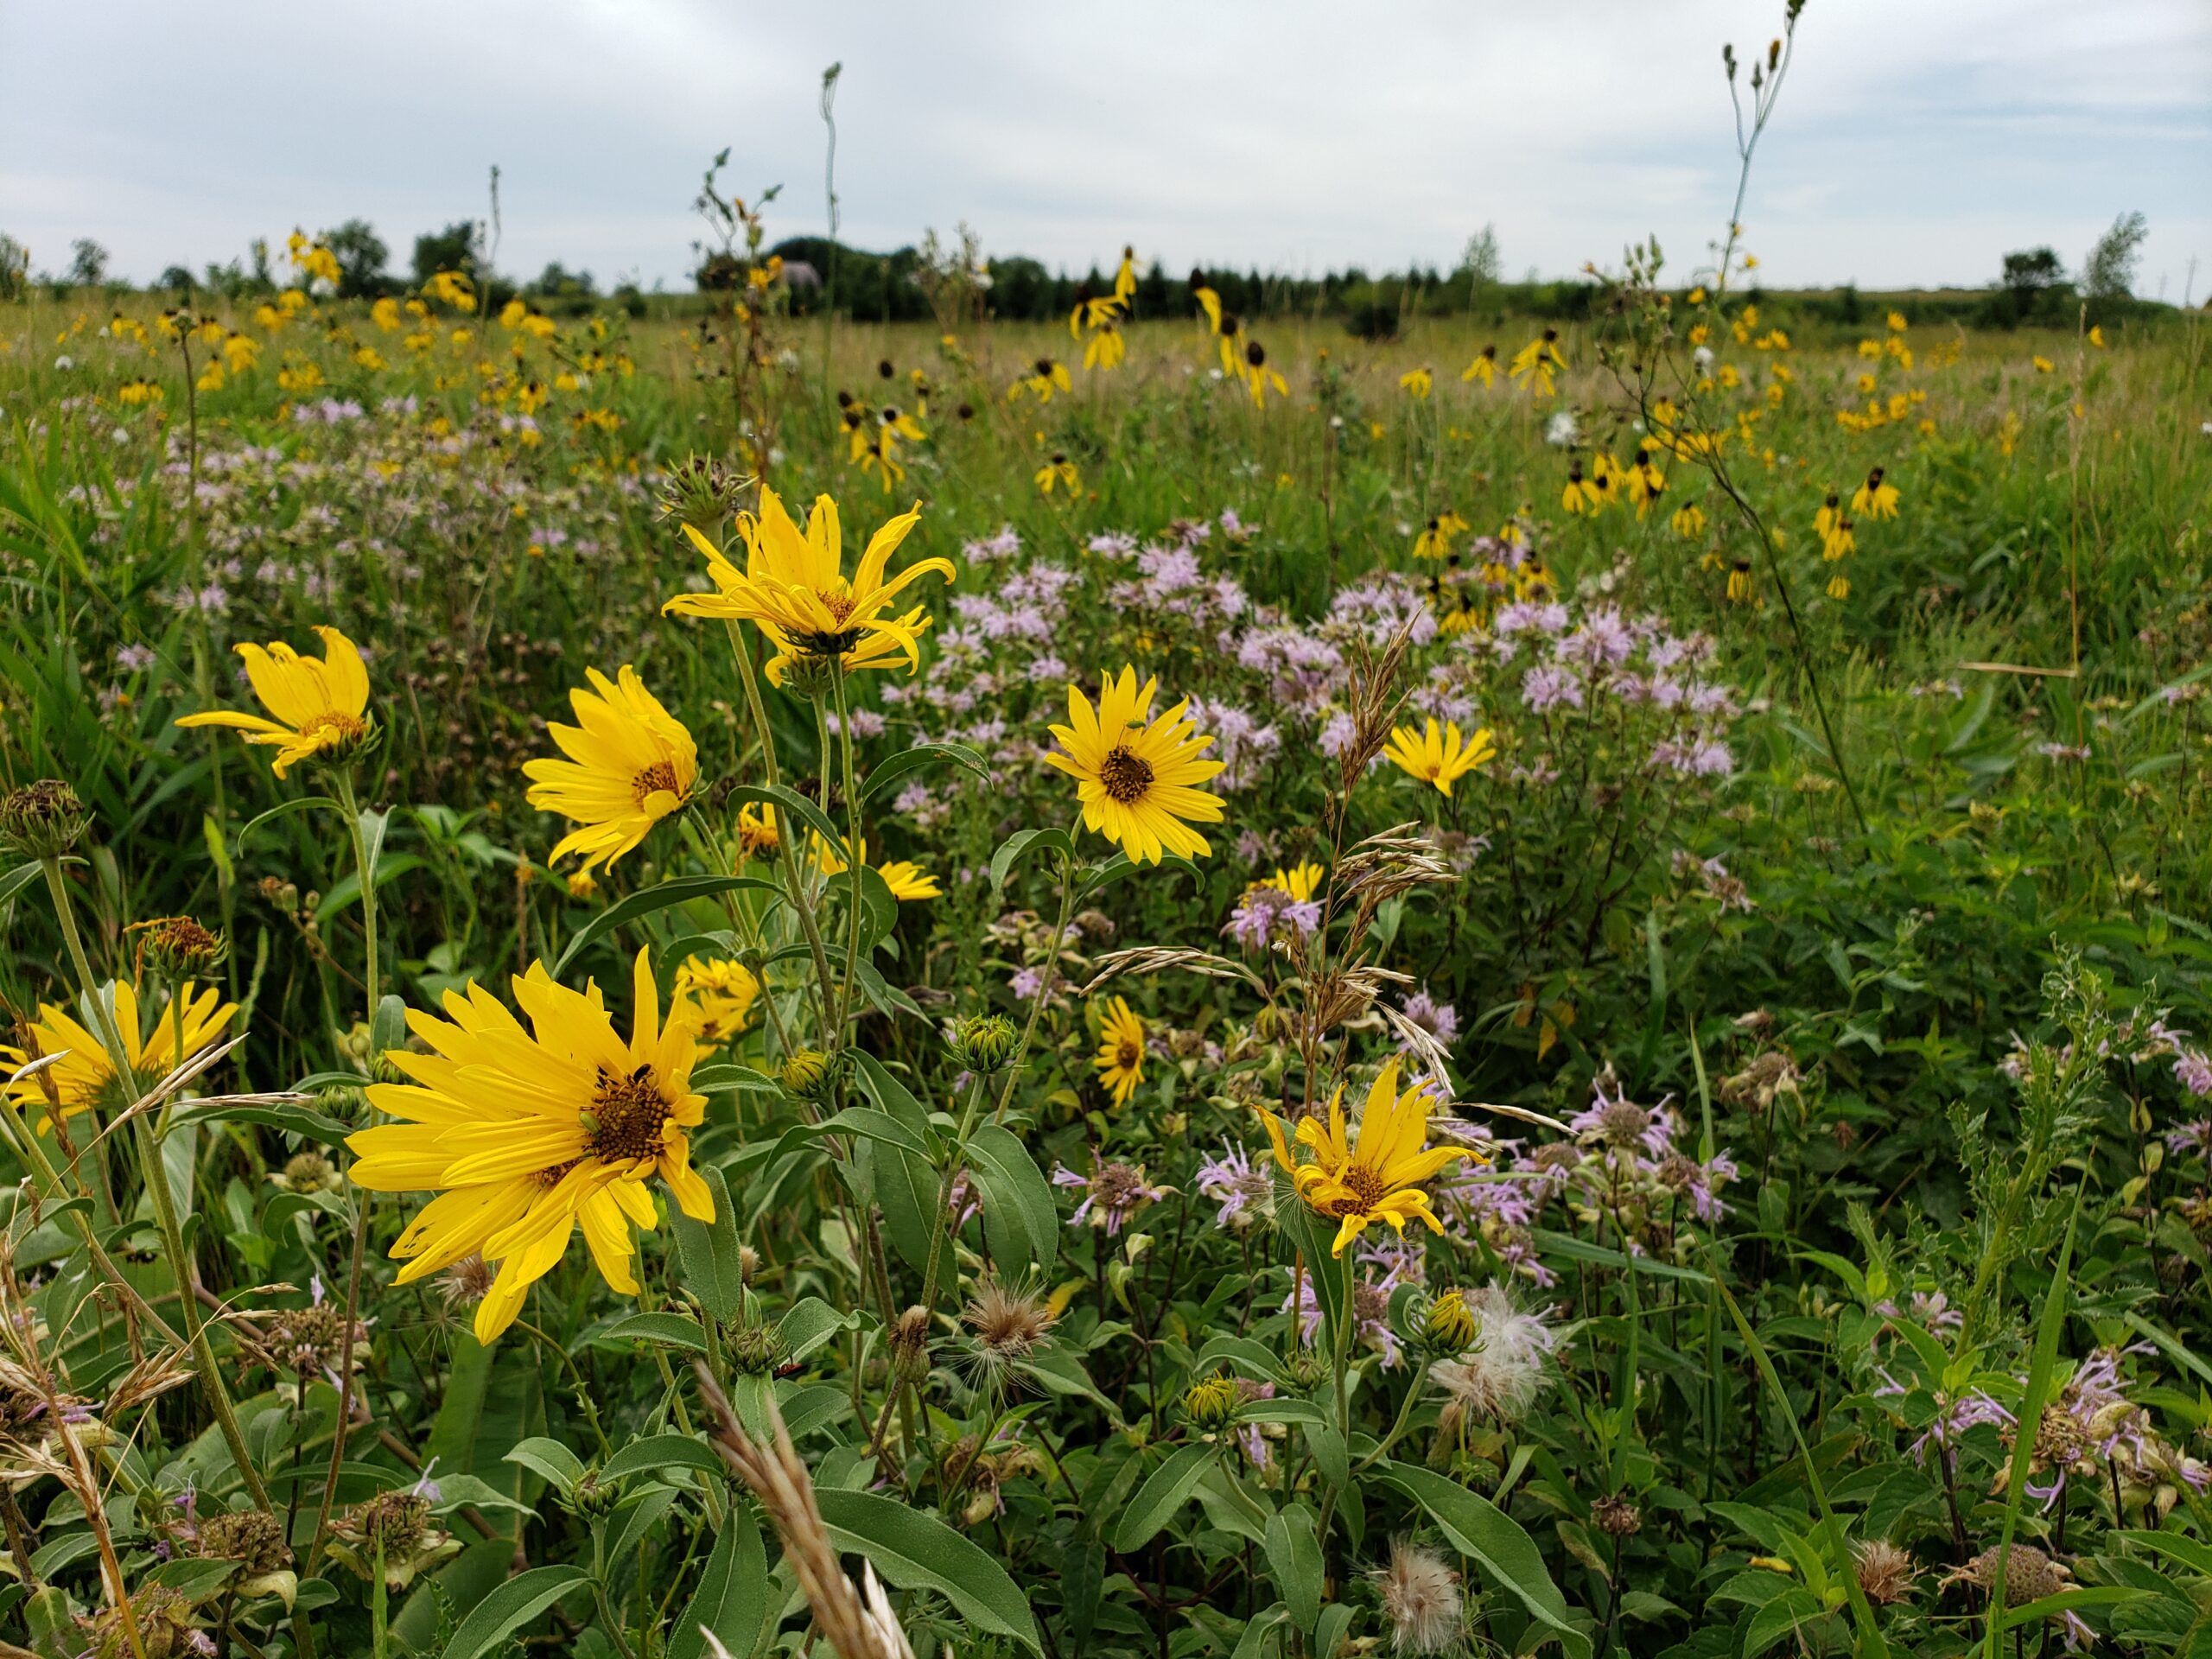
(661, 775)
(1124, 775)
(1367, 1188)
(629, 1117)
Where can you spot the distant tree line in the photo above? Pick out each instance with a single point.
(2033, 288)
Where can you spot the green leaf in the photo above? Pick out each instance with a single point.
(670, 1330)
(1254, 1643)
(1310, 1247)
(1789, 1613)
(906, 1186)
(656, 1453)
(1494, 1542)
(17, 880)
(299, 803)
(920, 756)
(1020, 1221)
(714, 1080)
(876, 1126)
(1293, 1548)
(915, 1551)
(549, 1459)
(1165, 1490)
(511, 1606)
(1018, 845)
(195, 1580)
(292, 1119)
(347, 889)
(810, 1324)
(677, 890)
(709, 1253)
(732, 1599)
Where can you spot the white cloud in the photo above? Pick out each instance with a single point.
(1915, 141)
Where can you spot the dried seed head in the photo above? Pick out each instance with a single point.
(253, 1538)
(1885, 1573)
(308, 1172)
(466, 1282)
(1421, 1597)
(2030, 1574)
(1617, 1517)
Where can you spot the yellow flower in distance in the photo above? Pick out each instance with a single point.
(1121, 1051)
(1302, 881)
(1376, 1178)
(320, 706)
(717, 995)
(526, 1134)
(906, 879)
(793, 588)
(1417, 383)
(1438, 755)
(1137, 777)
(85, 1077)
(631, 763)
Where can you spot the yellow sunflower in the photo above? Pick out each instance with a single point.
(85, 1076)
(321, 707)
(1438, 755)
(793, 588)
(1301, 881)
(527, 1134)
(717, 995)
(1121, 1051)
(631, 763)
(1136, 777)
(906, 879)
(1376, 1178)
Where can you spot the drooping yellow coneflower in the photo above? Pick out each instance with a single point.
(1536, 365)
(1121, 1051)
(320, 708)
(1484, 368)
(1876, 498)
(1137, 777)
(631, 764)
(1376, 1178)
(526, 1134)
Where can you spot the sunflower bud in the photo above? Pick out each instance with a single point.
(1210, 1402)
(756, 1350)
(592, 1496)
(807, 1073)
(1447, 1326)
(982, 1043)
(42, 820)
(700, 490)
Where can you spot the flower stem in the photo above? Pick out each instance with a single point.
(156, 1174)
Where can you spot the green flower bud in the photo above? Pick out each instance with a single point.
(701, 491)
(756, 1350)
(1210, 1402)
(42, 820)
(180, 948)
(807, 1073)
(1447, 1326)
(982, 1043)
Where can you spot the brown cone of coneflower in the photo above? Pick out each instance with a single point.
(1422, 1598)
(1885, 1573)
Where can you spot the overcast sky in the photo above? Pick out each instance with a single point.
(1917, 140)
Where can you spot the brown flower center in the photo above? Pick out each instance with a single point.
(658, 776)
(627, 1117)
(1127, 1054)
(1123, 775)
(1368, 1188)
